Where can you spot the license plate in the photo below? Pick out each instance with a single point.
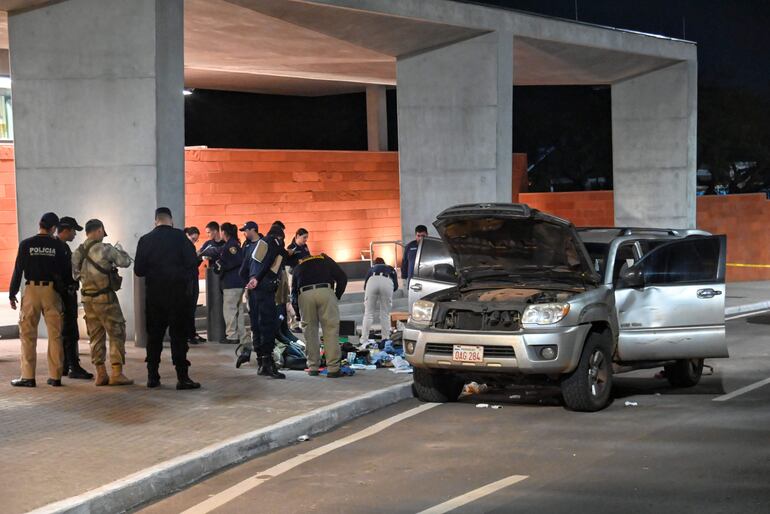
(463, 353)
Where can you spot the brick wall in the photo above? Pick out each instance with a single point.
(345, 199)
(743, 218)
(9, 239)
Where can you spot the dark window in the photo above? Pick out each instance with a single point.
(624, 258)
(598, 254)
(688, 260)
(433, 252)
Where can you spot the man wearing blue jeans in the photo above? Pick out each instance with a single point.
(410, 254)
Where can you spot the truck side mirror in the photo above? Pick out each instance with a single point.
(632, 277)
(444, 273)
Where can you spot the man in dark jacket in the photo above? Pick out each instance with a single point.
(167, 261)
(266, 261)
(410, 254)
(229, 266)
(251, 230)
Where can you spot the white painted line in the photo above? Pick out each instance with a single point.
(456, 503)
(747, 314)
(250, 483)
(742, 390)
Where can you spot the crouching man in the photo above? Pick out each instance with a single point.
(94, 263)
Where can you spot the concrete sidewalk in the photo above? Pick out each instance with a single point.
(56, 443)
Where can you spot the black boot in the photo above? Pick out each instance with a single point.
(184, 381)
(243, 358)
(271, 369)
(261, 365)
(75, 371)
(153, 377)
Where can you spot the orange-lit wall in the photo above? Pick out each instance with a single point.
(743, 218)
(345, 199)
(9, 238)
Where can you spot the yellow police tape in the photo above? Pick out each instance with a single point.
(748, 265)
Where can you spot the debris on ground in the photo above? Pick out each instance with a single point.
(303, 438)
(482, 405)
(475, 388)
(631, 404)
(497, 406)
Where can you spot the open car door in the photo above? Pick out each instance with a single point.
(671, 304)
(433, 270)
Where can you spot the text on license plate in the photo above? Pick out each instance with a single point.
(462, 353)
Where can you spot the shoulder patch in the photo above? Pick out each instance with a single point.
(233, 250)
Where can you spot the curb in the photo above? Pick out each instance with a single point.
(170, 476)
(750, 307)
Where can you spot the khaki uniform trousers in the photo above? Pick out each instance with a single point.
(319, 306)
(234, 313)
(104, 317)
(35, 301)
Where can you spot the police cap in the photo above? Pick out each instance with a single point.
(94, 224)
(249, 225)
(68, 222)
(49, 220)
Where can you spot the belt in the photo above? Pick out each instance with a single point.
(38, 283)
(379, 274)
(314, 286)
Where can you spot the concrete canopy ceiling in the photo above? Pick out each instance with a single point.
(317, 47)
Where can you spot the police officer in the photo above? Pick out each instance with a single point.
(66, 231)
(93, 263)
(251, 230)
(193, 234)
(410, 254)
(266, 262)
(318, 284)
(167, 260)
(211, 248)
(42, 261)
(229, 266)
(379, 285)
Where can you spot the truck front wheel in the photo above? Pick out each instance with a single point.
(587, 389)
(436, 387)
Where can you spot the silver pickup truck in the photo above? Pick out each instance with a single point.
(513, 295)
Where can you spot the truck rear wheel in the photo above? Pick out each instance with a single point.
(436, 387)
(588, 388)
(684, 372)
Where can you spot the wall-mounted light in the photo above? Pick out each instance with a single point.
(5, 82)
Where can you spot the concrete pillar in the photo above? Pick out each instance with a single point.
(654, 139)
(99, 116)
(455, 127)
(376, 118)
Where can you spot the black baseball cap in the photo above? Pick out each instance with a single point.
(68, 222)
(49, 220)
(249, 225)
(94, 224)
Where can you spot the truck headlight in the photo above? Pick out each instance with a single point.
(422, 311)
(545, 313)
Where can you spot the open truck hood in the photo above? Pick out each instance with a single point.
(512, 242)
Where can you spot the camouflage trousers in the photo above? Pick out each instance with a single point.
(102, 320)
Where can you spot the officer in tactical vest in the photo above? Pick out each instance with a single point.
(95, 264)
(266, 262)
(318, 283)
(41, 260)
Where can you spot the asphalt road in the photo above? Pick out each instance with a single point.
(675, 451)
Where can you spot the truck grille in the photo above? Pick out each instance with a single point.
(494, 352)
(505, 321)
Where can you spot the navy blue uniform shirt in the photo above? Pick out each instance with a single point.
(248, 249)
(300, 252)
(164, 256)
(266, 261)
(382, 269)
(317, 269)
(410, 256)
(41, 258)
(229, 262)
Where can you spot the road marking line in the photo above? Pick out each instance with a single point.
(229, 494)
(742, 390)
(456, 503)
(747, 314)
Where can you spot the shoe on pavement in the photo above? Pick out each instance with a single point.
(76, 372)
(192, 340)
(102, 379)
(231, 341)
(243, 358)
(187, 383)
(54, 382)
(200, 339)
(23, 382)
(153, 382)
(313, 372)
(118, 378)
(270, 369)
(334, 374)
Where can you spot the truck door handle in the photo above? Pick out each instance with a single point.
(416, 287)
(708, 293)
